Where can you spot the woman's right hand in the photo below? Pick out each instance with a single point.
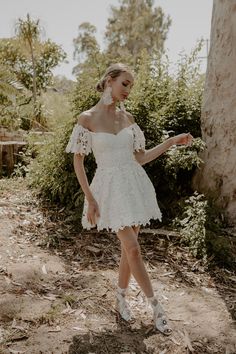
(93, 212)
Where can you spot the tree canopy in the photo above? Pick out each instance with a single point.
(135, 25)
(132, 26)
(30, 60)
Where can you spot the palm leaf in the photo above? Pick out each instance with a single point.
(8, 83)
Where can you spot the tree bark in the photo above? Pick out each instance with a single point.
(217, 175)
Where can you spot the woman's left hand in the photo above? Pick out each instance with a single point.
(183, 139)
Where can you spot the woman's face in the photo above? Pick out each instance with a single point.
(122, 85)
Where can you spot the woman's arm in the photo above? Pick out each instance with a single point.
(79, 162)
(93, 210)
(146, 156)
(81, 176)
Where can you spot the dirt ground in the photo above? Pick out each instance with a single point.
(57, 289)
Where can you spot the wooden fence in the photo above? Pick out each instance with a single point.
(11, 143)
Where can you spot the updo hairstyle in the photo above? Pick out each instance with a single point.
(113, 71)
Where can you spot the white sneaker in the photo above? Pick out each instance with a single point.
(159, 317)
(121, 305)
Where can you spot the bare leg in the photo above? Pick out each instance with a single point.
(134, 264)
(124, 269)
(129, 242)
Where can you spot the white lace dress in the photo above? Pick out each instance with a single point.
(121, 187)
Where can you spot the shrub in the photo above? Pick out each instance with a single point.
(201, 228)
(192, 225)
(159, 102)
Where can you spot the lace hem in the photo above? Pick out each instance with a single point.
(108, 228)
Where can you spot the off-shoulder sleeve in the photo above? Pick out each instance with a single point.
(80, 141)
(139, 138)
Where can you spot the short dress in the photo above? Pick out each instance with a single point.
(121, 187)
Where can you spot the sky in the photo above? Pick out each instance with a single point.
(191, 21)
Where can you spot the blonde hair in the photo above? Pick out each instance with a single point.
(113, 71)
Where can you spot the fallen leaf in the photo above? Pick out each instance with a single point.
(57, 329)
(164, 297)
(30, 293)
(8, 280)
(167, 274)
(50, 297)
(93, 249)
(44, 270)
(91, 340)
(15, 283)
(174, 341)
(187, 340)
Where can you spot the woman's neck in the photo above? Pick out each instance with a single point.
(109, 109)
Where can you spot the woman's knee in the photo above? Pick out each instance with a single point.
(134, 251)
(129, 242)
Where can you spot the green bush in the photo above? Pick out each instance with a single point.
(52, 173)
(165, 105)
(192, 224)
(159, 102)
(201, 226)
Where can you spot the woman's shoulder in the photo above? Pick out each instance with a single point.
(84, 119)
(127, 117)
(130, 117)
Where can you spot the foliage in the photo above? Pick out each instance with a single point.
(163, 107)
(201, 227)
(22, 167)
(57, 106)
(192, 225)
(15, 102)
(135, 25)
(52, 173)
(182, 158)
(47, 57)
(151, 96)
(9, 92)
(86, 45)
(35, 140)
(62, 85)
(8, 83)
(30, 61)
(125, 38)
(28, 29)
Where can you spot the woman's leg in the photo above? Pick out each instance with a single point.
(124, 276)
(124, 269)
(129, 242)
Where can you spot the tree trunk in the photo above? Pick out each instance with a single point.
(34, 74)
(34, 122)
(217, 175)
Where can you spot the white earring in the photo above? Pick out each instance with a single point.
(107, 97)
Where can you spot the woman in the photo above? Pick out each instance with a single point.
(121, 196)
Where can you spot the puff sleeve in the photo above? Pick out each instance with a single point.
(80, 141)
(139, 138)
